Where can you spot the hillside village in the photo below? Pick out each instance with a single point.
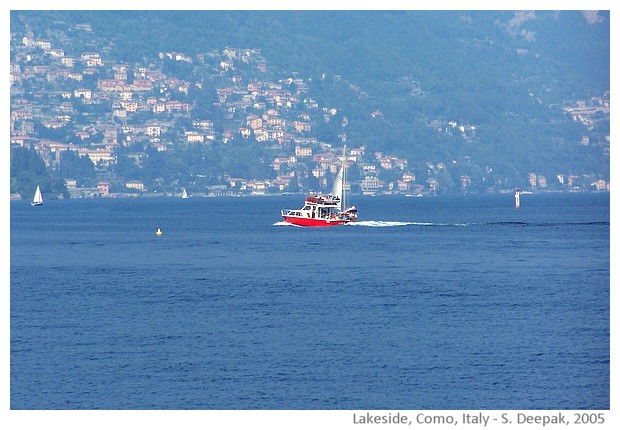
(115, 113)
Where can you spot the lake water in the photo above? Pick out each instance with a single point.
(459, 302)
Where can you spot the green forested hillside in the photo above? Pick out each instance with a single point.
(506, 73)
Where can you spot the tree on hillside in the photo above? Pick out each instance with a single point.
(76, 167)
(27, 171)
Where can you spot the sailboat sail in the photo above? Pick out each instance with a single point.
(338, 187)
(37, 200)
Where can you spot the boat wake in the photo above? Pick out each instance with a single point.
(489, 224)
(440, 224)
(286, 224)
(402, 224)
(384, 223)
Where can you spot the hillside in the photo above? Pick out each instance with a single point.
(504, 77)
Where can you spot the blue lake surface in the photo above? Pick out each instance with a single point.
(459, 302)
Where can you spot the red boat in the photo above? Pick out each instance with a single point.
(324, 210)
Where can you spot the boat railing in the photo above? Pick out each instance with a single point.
(323, 199)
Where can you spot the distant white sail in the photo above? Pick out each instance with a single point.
(37, 200)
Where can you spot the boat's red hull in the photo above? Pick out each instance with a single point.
(314, 222)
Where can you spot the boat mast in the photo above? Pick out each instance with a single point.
(344, 177)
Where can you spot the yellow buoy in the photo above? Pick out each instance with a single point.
(159, 232)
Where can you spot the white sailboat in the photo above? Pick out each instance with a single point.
(184, 194)
(37, 200)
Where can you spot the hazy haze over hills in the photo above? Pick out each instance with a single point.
(508, 73)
